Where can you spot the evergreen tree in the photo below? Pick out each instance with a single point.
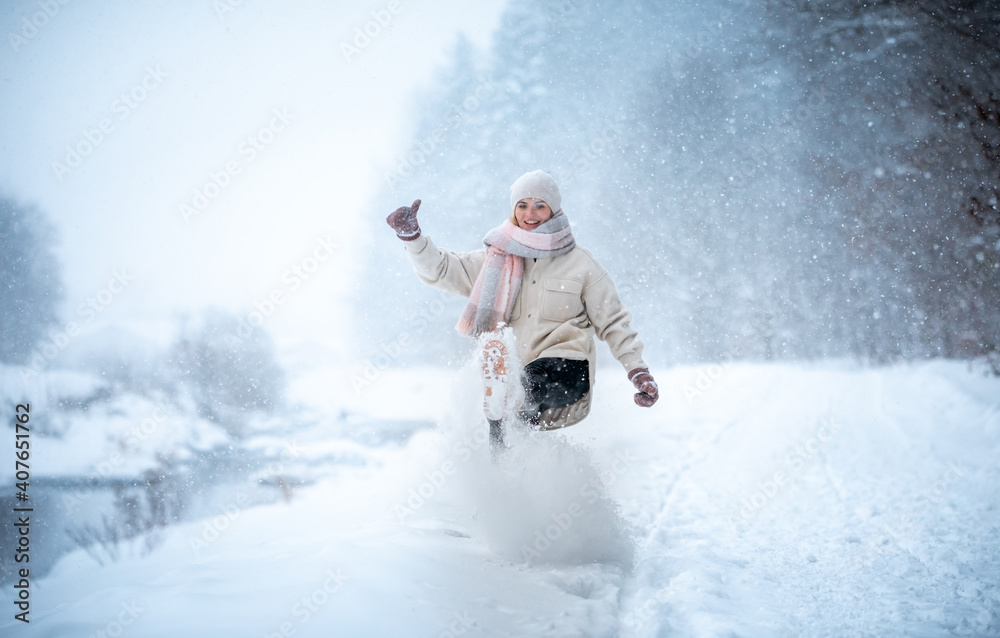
(30, 289)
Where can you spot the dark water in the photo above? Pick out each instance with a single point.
(99, 513)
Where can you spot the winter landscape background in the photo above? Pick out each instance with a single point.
(248, 417)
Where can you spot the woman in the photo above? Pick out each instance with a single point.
(553, 294)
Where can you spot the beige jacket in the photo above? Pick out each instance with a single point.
(563, 303)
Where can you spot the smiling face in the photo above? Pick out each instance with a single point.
(531, 213)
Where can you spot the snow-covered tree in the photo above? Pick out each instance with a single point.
(788, 179)
(30, 289)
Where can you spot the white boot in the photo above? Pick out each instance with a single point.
(496, 378)
(502, 391)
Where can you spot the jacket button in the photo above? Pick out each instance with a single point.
(532, 281)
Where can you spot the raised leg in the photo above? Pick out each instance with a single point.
(496, 379)
(496, 385)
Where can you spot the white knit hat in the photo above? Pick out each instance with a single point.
(539, 185)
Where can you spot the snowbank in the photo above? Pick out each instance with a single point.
(778, 500)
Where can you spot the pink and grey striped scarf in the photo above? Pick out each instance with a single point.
(495, 291)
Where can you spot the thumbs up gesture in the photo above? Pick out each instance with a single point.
(403, 220)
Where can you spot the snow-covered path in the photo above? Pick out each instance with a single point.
(763, 500)
(822, 502)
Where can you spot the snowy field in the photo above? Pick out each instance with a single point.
(752, 500)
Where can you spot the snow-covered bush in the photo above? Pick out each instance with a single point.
(228, 373)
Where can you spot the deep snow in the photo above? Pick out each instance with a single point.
(752, 500)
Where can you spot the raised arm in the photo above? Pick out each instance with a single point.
(444, 269)
(403, 220)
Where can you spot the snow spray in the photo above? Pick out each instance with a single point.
(544, 499)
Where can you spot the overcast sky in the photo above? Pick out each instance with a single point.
(282, 116)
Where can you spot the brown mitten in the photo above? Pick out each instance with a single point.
(647, 393)
(403, 220)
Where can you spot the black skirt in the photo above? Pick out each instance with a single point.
(553, 382)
